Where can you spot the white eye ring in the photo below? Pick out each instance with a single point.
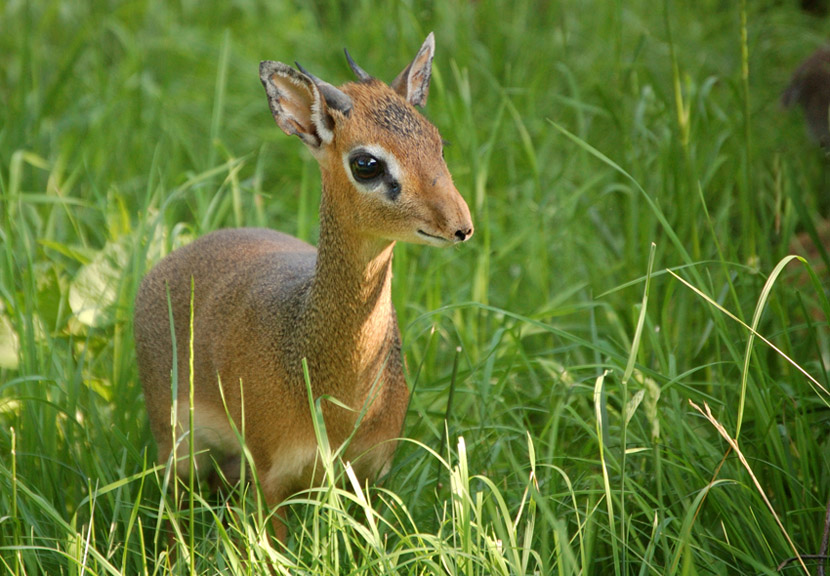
(392, 173)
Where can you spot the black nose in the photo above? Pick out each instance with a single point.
(463, 235)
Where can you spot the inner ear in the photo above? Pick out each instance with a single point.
(413, 82)
(297, 104)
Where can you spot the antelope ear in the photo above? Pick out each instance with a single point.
(299, 104)
(413, 82)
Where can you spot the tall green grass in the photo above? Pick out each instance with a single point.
(634, 186)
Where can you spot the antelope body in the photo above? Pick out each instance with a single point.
(263, 300)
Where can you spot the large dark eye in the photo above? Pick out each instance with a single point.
(366, 167)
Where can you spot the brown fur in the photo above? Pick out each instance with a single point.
(810, 89)
(263, 300)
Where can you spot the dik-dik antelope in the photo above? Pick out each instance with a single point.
(263, 301)
(809, 87)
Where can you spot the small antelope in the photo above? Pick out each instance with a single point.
(809, 87)
(263, 300)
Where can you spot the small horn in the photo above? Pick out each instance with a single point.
(309, 74)
(361, 74)
(334, 97)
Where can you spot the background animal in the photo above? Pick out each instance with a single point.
(809, 88)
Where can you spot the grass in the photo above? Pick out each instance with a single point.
(635, 189)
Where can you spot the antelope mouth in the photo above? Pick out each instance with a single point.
(433, 239)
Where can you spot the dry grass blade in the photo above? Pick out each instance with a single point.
(754, 333)
(707, 413)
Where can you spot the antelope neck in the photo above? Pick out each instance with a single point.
(348, 308)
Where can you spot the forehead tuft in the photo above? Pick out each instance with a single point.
(395, 116)
(390, 113)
